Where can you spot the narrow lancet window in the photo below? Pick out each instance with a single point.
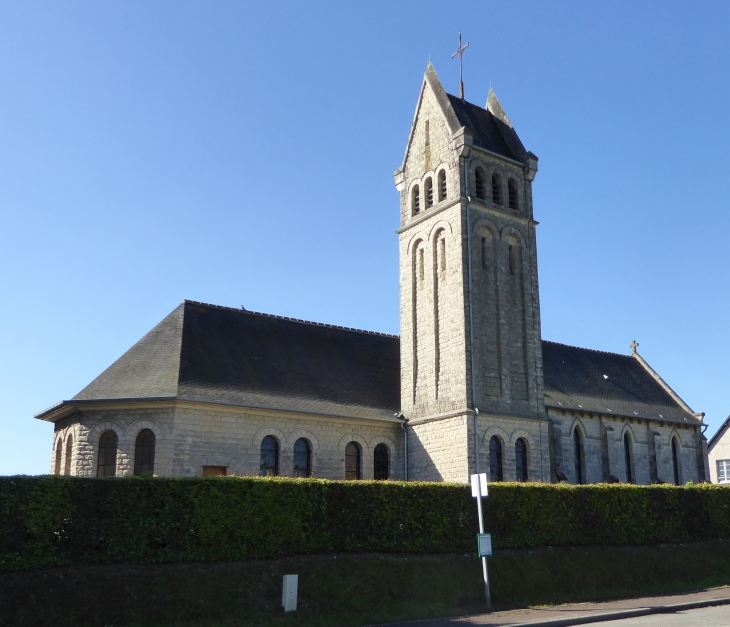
(675, 461)
(429, 192)
(627, 458)
(381, 463)
(578, 457)
(496, 189)
(495, 459)
(480, 184)
(59, 453)
(302, 458)
(442, 185)
(521, 459)
(513, 196)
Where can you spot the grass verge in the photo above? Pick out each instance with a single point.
(350, 590)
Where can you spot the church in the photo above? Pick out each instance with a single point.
(468, 386)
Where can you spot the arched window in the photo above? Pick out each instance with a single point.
(59, 452)
(415, 200)
(481, 188)
(144, 452)
(381, 462)
(513, 197)
(578, 457)
(442, 185)
(107, 463)
(521, 459)
(69, 453)
(269, 465)
(495, 459)
(675, 461)
(496, 189)
(353, 459)
(627, 458)
(429, 192)
(302, 458)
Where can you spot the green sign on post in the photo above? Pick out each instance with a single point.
(484, 544)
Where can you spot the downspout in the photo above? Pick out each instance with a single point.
(404, 426)
(471, 314)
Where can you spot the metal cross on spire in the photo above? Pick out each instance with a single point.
(633, 346)
(460, 52)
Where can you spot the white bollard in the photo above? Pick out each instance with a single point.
(289, 593)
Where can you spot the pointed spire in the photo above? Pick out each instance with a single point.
(495, 108)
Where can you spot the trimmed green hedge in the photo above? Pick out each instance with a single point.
(57, 521)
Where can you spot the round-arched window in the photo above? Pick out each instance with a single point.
(269, 465)
(381, 462)
(302, 458)
(495, 459)
(107, 462)
(521, 459)
(144, 452)
(353, 461)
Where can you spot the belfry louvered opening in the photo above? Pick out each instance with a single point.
(496, 189)
(481, 188)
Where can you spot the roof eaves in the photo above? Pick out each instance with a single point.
(665, 385)
(719, 433)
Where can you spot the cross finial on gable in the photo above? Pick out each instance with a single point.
(460, 52)
(633, 346)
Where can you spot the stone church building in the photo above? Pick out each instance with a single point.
(469, 385)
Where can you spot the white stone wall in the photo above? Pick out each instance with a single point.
(720, 451)
(192, 435)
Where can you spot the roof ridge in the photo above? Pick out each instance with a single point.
(312, 322)
(592, 350)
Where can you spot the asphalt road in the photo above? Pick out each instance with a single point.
(705, 617)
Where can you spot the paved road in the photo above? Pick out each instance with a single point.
(705, 617)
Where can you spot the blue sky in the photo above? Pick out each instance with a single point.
(242, 153)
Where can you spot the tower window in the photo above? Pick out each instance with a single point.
(512, 189)
(302, 458)
(485, 253)
(442, 246)
(427, 129)
(496, 189)
(512, 254)
(521, 459)
(675, 461)
(353, 462)
(442, 185)
(495, 459)
(59, 452)
(481, 188)
(421, 272)
(415, 200)
(429, 192)
(269, 465)
(381, 460)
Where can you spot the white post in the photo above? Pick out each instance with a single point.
(476, 484)
(289, 593)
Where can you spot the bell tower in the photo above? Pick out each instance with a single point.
(470, 308)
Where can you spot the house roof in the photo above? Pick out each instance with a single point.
(718, 434)
(609, 383)
(222, 355)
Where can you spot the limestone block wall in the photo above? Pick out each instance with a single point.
(438, 450)
(207, 435)
(508, 430)
(192, 435)
(604, 454)
(86, 427)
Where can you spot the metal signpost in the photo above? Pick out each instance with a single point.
(479, 489)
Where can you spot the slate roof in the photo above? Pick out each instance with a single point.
(218, 354)
(590, 380)
(488, 131)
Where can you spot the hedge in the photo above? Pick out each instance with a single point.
(60, 521)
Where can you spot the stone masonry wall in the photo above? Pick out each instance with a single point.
(191, 436)
(598, 441)
(438, 450)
